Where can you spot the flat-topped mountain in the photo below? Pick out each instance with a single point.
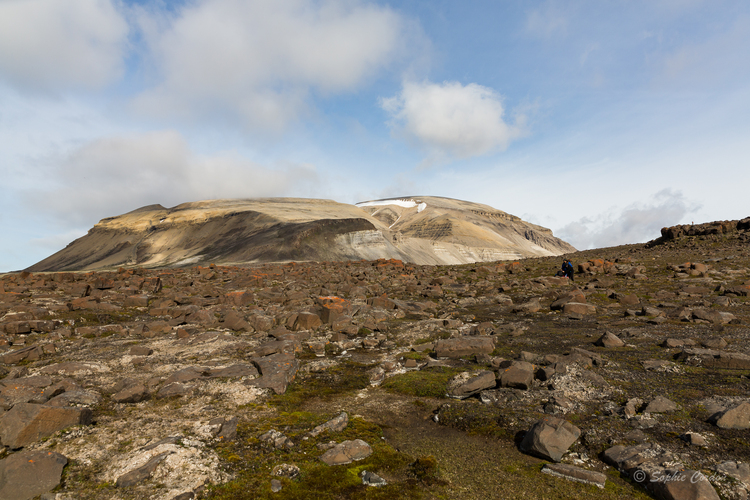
(420, 230)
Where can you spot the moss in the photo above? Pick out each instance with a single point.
(414, 355)
(252, 462)
(337, 380)
(429, 382)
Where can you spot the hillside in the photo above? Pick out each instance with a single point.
(419, 230)
(300, 380)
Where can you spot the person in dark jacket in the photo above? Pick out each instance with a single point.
(567, 269)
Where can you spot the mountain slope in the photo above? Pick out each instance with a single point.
(422, 230)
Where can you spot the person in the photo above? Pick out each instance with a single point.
(567, 269)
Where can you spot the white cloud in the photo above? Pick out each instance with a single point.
(47, 44)
(451, 119)
(260, 60)
(638, 222)
(114, 175)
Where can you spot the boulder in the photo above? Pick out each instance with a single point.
(609, 339)
(465, 385)
(307, 321)
(737, 417)
(464, 346)
(29, 353)
(549, 438)
(574, 296)
(27, 423)
(27, 474)
(236, 322)
(516, 374)
(132, 394)
(141, 350)
(347, 452)
(579, 308)
(680, 484)
(276, 370)
(530, 306)
(174, 390)
(660, 404)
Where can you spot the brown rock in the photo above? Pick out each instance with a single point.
(464, 346)
(549, 438)
(132, 394)
(609, 339)
(141, 350)
(277, 371)
(462, 387)
(235, 321)
(141, 473)
(578, 308)
(307, 321)
(737, 417)
(27, 423)
(573, 473)
(347, 452)
(516, 374)
(30, 353)
(27, 474)
(136, 301)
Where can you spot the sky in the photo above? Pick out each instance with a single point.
(603, 121)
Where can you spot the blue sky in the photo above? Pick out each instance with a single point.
(603, 121)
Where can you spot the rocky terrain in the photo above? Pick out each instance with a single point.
(418, 230)
(384, 379)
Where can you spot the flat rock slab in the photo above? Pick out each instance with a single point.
(660, 404)
(27, 474)
(27, 423)
(336, 424)
(142, 473)
(578, 308)
(347, 452)
(30, 353)
(277, 371)
(573, 473)
(466, 385)
(132, 394)
(549, 438)
(464, 346)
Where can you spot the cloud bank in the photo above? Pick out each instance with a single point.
(450, 119)
(635, 223)
(48, 44)
(115, 175)
(259, 60)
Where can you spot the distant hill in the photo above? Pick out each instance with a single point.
(420, 229)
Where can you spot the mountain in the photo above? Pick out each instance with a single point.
(420, 230)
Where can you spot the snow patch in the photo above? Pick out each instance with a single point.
(405, 203)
